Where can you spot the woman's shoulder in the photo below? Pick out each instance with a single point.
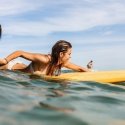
(44, 58)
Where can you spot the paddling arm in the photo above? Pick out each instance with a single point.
(29, 56)
(75, 67)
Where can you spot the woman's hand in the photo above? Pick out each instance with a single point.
(90, 65)
(3, 62)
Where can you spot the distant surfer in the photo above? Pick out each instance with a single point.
(48, 64)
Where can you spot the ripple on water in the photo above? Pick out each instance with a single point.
(35, 101)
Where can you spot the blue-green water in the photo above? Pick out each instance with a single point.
(25, 101)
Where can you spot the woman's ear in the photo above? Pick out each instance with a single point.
(61, 54)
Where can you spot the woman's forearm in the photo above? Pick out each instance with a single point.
(76, 67)
(82, 69)
(14, 55)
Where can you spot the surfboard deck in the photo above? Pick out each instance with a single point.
(114, 76)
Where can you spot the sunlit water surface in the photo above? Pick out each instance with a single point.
(26, 101)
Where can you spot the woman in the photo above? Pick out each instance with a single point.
(49, 64)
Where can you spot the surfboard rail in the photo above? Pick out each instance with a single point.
(113, 76)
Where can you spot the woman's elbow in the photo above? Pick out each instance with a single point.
(19, 52)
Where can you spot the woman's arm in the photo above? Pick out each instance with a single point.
(25, 55)
(76, 67)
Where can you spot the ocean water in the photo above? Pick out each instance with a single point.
(26, 101)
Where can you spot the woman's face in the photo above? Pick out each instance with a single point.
(64, 57)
